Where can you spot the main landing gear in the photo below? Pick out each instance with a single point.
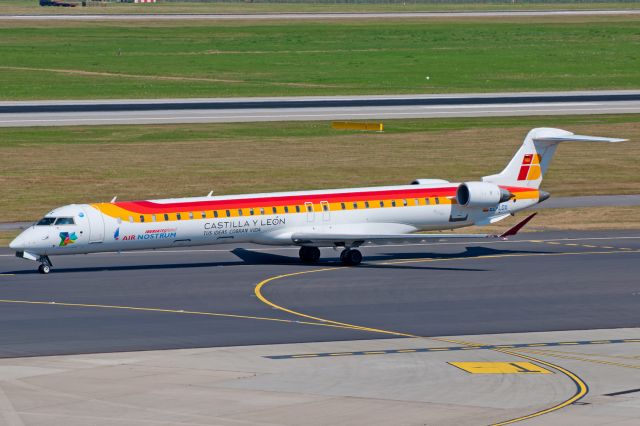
(348, 257)
(309, 254)
(45, 265)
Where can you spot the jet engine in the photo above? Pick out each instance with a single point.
(481, 194)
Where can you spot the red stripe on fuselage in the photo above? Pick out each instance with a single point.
(149, 207)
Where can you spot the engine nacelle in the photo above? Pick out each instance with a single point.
(429, 181)
(481, 194)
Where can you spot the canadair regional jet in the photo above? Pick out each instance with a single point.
(340, 218)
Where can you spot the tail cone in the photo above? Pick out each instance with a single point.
(543, 195)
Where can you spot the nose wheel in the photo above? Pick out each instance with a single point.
(351, 257)
(45, 265)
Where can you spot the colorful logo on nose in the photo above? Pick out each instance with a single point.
(116, 235)
(67, 238)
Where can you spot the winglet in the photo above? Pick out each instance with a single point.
(514, 230)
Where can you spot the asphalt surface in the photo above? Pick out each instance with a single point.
(65, 113)
(316, 16)
(538, 282)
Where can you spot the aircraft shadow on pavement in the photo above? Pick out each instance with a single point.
(245, 258)
(248, 257)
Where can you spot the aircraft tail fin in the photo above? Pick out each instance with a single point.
(532, 160)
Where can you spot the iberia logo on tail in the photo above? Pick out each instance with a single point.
(530, 169)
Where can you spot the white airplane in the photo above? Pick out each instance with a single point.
(340, 218)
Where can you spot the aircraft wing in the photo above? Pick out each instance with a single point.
(354, 240)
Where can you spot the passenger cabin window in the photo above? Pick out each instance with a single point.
(261, 210)
(239, 212)
(286, 209)
(309, 208)
(166, 216)
(178, 217)
(381, 203)
(366, 204)
(325, 207)
(298, 209)
(45, 221)
(343, 206)
(190, 215)
(215, 213)
(251, 212)
(355, 205)
(437, 200)
(274, 209)
(65, 221)
(153, 217)
(131, 219)
(204, 215)
(404, 202)
(417, 202)
(141, 218)
(393, 203)
(228, 213)
(427, 202)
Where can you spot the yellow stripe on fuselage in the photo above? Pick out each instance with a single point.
(117, 212)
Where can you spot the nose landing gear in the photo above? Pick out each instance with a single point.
(45, 265)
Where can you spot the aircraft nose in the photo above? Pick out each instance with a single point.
(17, 243)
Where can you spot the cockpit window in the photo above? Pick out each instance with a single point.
(46, 221)
(65, 221)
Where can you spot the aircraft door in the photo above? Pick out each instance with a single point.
(96, 225)
(311, 215)
(326, 211)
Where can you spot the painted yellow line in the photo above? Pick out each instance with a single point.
(341, 353)
(632, 340)
(581, 387)
(537, 344)
(258, 292)
(402, 351)
(571, 244)
(573, 353)
(374, 352)
(303, 356)
(7, 275)
(171, 311)
(499, 256)
(602, 341)
(590, 246)
(566, 355)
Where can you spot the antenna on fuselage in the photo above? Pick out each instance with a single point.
(210, 194)
(113, 200)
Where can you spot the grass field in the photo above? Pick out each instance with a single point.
(55, 60)
(41, 168)
(31, 7)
